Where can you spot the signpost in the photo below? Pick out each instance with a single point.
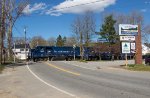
(127, 38)
(126, 50)
(133, 47)
(125, 47)
(130, 36)
(128, 29)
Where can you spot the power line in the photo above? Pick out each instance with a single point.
(76, 5)
(21, 33)
(61, 9)
(18, 31)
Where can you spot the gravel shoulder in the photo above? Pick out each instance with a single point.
(110, 67)
(94, 65)
(20, 83)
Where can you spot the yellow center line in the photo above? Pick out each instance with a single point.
(74, 73)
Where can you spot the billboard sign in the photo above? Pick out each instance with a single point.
(125, 47)
(127, 38)
(128, 29)
(133, 47)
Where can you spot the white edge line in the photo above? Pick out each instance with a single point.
(49, 84)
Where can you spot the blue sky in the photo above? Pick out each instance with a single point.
(49, 18)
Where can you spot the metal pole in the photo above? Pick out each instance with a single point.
(14, 53)
(74, 55)
(25, 44)
(126, 60)
(74, 46)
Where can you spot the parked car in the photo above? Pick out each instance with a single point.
(147, 60)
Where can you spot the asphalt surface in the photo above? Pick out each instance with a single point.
(82, 82)
(18, 82)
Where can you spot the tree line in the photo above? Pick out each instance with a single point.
(52, 41)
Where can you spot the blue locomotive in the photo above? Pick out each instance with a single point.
(53, 52)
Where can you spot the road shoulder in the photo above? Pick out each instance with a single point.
(20, 83)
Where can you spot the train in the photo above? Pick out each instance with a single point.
(68, 53)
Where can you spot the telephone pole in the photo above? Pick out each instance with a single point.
(25, 43)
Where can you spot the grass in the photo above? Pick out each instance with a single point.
(140, 67)
(84, 61)
(1, 68)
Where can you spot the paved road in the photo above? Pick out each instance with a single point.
(86, 83)
(20, 83)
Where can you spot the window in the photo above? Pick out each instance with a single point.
(21, 49)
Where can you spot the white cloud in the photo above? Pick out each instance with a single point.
(143, 10)
(36, 7)
(147, 2)
(80, 6)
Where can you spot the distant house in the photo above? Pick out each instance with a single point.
(145, 49)
(19, 51)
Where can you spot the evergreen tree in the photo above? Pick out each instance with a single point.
(107, 30)
(64, 41)
(59, 41)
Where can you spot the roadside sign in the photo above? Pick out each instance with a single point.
(133, 47)
(128, 29)
(101, 40)
(125, 47)
(127, 38)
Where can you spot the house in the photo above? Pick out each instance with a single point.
(145, 49)
(19, 51)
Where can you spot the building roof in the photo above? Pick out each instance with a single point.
(18, 46)
(147, 44)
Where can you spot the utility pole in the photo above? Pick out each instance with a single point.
(74, 47)
(14, 53)
(81, 46)
(25, 44)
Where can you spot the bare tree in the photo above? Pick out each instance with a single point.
(83, 28)
(77, 28)
(135, 18)
(2, 28)
(14, 10)
(70, 41)
(146, 33)
(51, 41)
(38, 41)
(88, 27)
(19, 40)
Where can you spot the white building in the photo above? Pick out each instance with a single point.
(19, 51)
(145, 49)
